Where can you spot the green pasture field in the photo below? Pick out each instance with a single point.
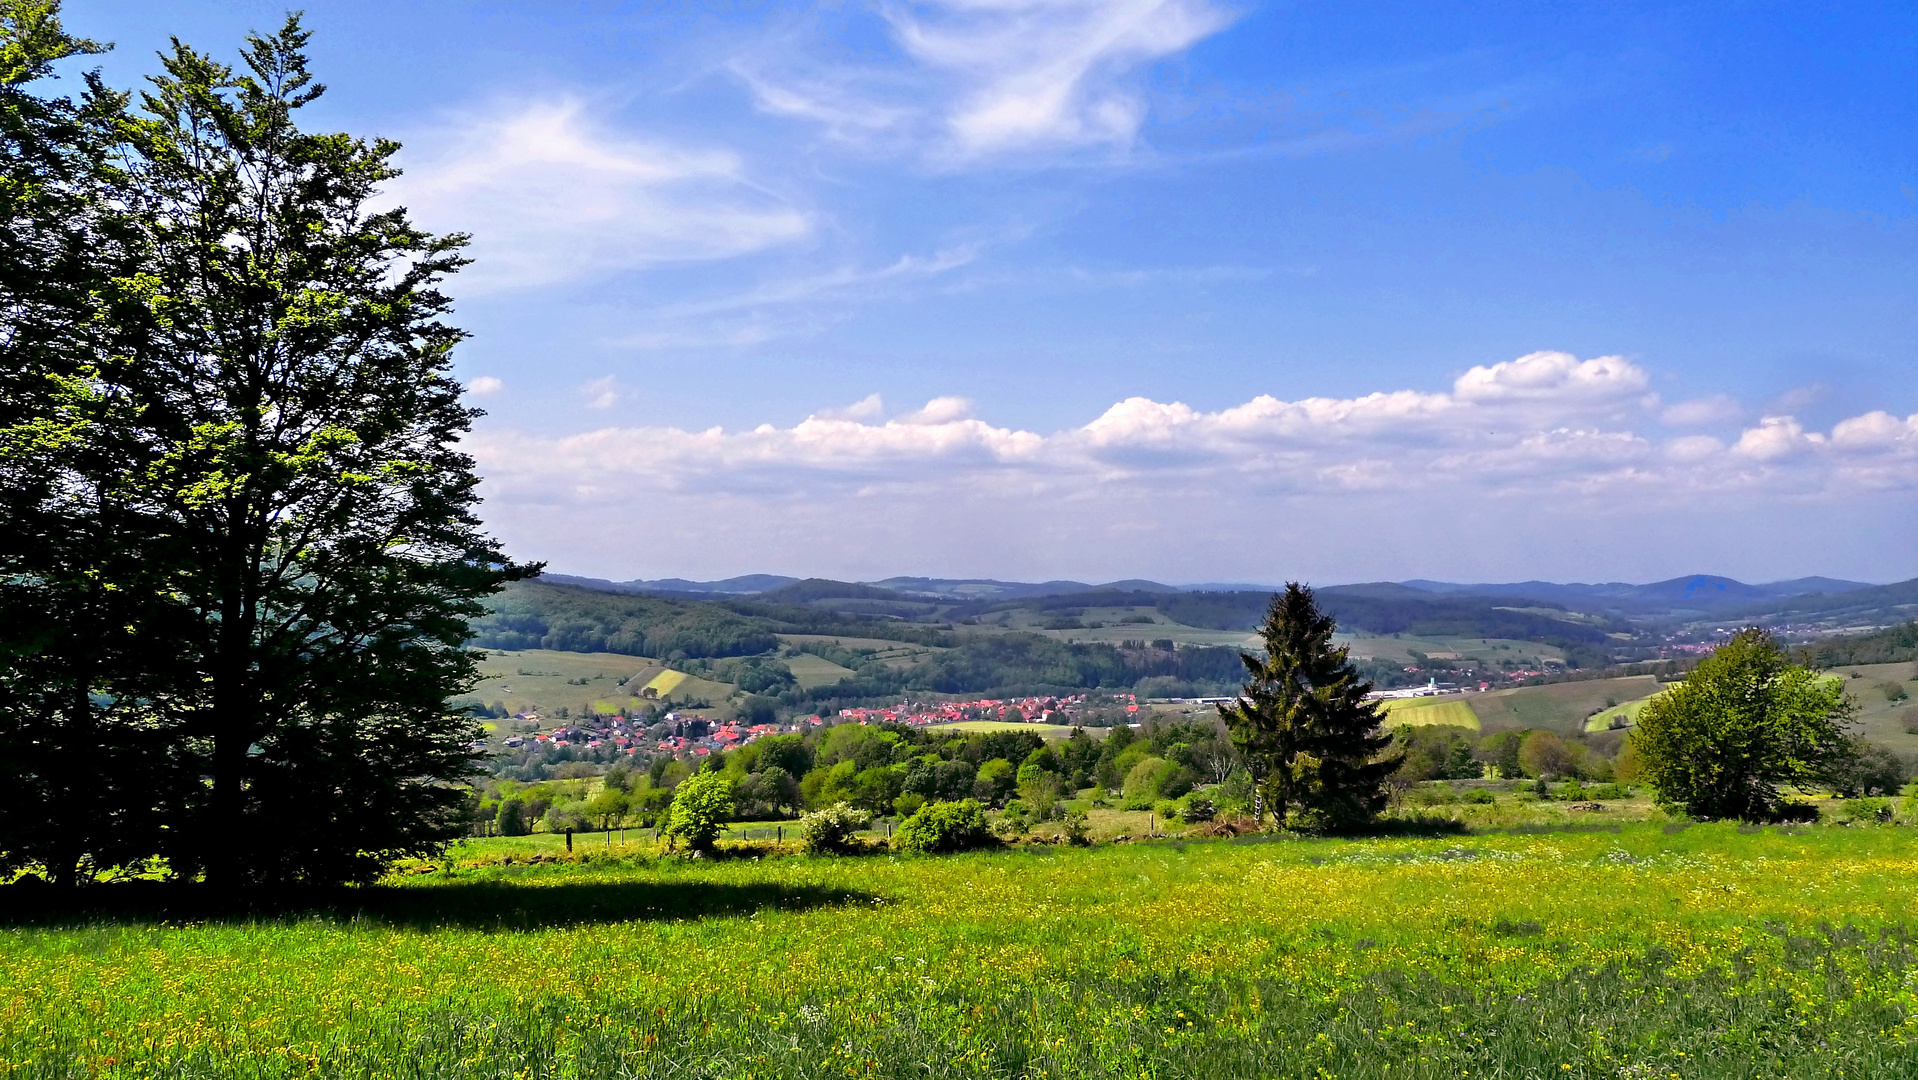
(811, 671)
(1880, 719)
(1044, 731)
(1628, 712)
(1492, 650)
(1451, 711)
(896, 654)
(1113, 633)
(1651, 951)
(1560, 707)
(548, 685)
(612, 680)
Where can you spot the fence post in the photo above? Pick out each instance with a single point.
(569, 841)
(779, 833)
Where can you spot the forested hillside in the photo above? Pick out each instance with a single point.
(1892, 646)
(535, 615)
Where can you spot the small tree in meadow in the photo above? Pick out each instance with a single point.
(701, 805)
(1722, 743)
(512, 818)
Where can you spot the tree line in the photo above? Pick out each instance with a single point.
(240, 553)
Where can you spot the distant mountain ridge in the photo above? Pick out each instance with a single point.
(744, 585)
(1702, 593)
(1697, 592)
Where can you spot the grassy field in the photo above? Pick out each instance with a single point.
(1453, 711)
(811, 671)
(1880, 718)
(1044, 731)
(1560, 707)
(1624, 715)
(1529, 654)
(531, 679)
(1647, 952)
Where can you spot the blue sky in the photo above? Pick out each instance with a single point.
(1196, 290)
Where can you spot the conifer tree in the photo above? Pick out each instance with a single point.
(1304, 727)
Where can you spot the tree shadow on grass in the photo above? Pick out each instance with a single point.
(480, 905)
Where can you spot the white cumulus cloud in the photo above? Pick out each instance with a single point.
(1514, 453)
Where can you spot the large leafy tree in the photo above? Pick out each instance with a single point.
(1303, 724)
(1746, 722)
(81, 628)
(289, 368)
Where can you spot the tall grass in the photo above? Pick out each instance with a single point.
(1705, 952)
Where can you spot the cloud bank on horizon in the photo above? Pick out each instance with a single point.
(1184, 289)
(1532, 461)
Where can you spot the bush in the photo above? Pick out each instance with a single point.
(908, 804)
(1198, 810)
(1480, 797)
(944, 826)
(1078, 832)
(1141, 787)
(1865, 810)
(1869, 769)
(830, 831)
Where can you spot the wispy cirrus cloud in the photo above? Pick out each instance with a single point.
(1512, 446)
(987, 77)
(785, 307)
(550, 193)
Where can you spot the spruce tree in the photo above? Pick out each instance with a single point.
(1304, 727)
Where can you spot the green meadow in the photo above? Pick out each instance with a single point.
(1412, 712)
(1632, 952)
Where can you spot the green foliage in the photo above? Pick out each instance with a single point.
(86, 624)
(608, 808)
(512, 818)
(829, 831)
(701, 804)
(942, 827)
(270, 444)
(1868, 769)
(767, 794)
(995, 781)
(1542, 753)
(1745, 722)
(1436, 752)
(1143, 782)
(1304, 727)
(1889, 646)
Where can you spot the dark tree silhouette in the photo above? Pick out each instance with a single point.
(1303, 724)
